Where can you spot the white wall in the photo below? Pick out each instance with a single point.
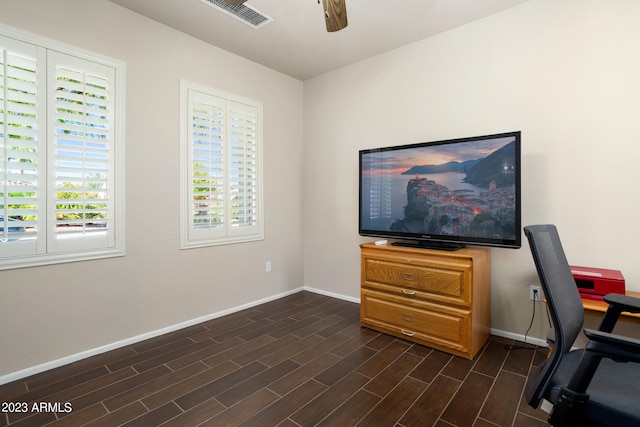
(564, 72)
(48, 313)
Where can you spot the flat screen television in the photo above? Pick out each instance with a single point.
(444, 194)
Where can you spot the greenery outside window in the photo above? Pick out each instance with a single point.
(221, 167)
(61, 153)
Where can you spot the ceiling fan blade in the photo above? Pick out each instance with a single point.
(235, 2)
(335, 14)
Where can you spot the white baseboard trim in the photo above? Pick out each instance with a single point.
(24, 373)
(331, 294)
(518, 337)
(14, 376)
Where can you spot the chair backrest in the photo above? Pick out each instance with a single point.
(563, 299)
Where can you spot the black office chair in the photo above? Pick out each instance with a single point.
(595, 386)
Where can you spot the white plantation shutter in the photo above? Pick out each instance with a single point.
(82, 153)
(206, 166)
(60, 178)
(221, 167)
(243, 167)
(22, 155)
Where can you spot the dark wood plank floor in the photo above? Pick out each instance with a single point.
(302, 360)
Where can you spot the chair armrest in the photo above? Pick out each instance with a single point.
(602, 345)
(617, 347)
(617, 304)
(624, 302)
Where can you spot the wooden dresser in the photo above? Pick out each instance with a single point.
(437, 298)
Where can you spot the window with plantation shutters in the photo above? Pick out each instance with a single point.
(22, 161)
(82, 156)
(60, 182)
(220, 167)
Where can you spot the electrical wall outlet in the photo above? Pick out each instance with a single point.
(535, 293)
(267, 266)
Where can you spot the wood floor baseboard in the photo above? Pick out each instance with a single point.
(519, 337)
(23, 373)
(302, 359)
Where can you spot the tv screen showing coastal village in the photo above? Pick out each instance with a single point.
(454, 189)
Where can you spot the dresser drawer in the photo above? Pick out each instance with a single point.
(450, 283)
(446, 328)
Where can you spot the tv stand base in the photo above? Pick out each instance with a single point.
(426, 244)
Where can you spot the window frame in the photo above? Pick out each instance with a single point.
(189, 238)
(48, 252)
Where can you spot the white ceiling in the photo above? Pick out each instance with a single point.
(297, 43)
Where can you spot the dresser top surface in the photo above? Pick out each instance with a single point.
(466, 252)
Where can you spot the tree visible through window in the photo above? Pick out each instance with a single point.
(60, 181)
(221, 167)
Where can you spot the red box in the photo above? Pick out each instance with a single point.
(595, 283)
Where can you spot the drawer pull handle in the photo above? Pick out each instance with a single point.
(407, 317)
(409, 334)
(406, 292)
(408, 276)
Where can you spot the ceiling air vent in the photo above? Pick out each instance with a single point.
(244, 13)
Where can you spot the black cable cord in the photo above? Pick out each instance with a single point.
(533, 315)
(548, 316)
